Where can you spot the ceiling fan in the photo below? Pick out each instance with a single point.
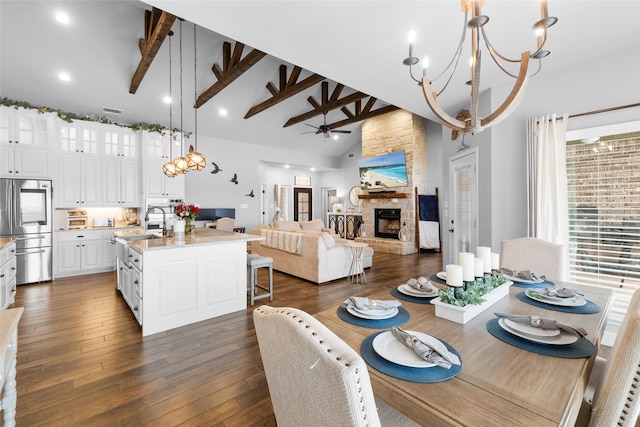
(324, 128)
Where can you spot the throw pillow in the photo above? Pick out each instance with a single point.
(329, 241)
(315, 225)
(286, 225)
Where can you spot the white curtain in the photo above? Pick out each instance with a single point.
(547, 173)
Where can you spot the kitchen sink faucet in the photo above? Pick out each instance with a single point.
(164, 217)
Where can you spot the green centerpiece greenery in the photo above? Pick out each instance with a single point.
(473, 292)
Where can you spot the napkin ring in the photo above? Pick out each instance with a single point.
(536, 321)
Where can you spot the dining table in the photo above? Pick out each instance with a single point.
(499, 384)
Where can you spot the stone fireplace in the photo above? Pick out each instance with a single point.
(395, 131)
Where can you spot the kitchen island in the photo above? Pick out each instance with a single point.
(170, 282)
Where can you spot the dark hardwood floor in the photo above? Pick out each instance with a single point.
(82, 359)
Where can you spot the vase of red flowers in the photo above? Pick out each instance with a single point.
(188, 213)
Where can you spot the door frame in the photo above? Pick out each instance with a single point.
(469, 158)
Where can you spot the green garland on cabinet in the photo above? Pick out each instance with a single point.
(70, 117)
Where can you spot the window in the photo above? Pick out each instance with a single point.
(603, 174)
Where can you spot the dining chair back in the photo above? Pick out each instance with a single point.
(537, 255)
(616, 401)
(225, 224)
(315, 378)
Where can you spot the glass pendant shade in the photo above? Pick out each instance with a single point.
(169, 169)
(181, 164)
(197, 161)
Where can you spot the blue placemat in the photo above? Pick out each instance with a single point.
(416, 375)
(581, 348)
(589, 308)
(436, 279)
(545, 284)
(397, 320)
(418, 300)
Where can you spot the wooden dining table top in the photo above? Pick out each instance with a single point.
(499, 385)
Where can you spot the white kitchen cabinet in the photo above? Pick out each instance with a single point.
(121, 182)
(78, 181)
(121, 166)
(8, 270)
(108, 250)
(79, 252)
(26, 143)
(157, 152)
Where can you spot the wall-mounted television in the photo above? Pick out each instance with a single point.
(383, 172)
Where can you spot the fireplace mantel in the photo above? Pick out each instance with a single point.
(384, 196)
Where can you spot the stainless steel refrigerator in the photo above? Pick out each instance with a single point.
(26, 215)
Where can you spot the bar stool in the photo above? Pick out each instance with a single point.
(254, 262)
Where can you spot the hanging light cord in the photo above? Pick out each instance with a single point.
(170, 107)
(181, 128)
(195, 84)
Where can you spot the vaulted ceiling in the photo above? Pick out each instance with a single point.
(275, 66)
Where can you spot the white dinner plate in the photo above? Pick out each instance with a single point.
(389, 347)
(563, 338)
(565, 302)
(442, 275)
(531, 330)
(520, 280)
(413, 292)
(372, 314)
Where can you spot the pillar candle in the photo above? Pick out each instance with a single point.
(484, 253)
(465, 260)
(495, 261)
(478, 264)
(454, 275)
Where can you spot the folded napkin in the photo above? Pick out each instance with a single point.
(563, 292)
(432, 351)
(523, 274)
(421, 284)
(362, 303)
(540, 322)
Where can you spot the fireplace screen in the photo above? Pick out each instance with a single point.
(387, 223)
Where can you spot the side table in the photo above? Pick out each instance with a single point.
(356, 271)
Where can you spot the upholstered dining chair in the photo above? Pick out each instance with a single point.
(315, 378)
(612, 397)
(530, 253)
(224, 224)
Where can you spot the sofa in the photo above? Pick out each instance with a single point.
(307, 250)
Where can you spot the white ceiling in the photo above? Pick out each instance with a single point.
(358, 43)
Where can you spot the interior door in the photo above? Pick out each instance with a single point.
(302, 204)
(463, 182)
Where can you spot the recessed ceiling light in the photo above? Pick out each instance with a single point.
(166, 100)
(65, 77)
(312, 169)
(287, 166)
(62, 18)
(335, 137)
(222, 112)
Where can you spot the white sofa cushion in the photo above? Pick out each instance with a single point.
(329, 241)
(286, 225)
(315, 225)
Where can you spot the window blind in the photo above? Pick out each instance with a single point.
(604, 216)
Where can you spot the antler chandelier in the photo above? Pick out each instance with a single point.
(476, 23)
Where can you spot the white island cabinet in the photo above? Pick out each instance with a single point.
(171, 282)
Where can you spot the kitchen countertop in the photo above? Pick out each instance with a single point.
(5, 241)
(200, 237)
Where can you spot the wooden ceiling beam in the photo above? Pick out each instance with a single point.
(327, 104)
(158, 25)
(367, 113)
(288, 88)
(232, 68)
